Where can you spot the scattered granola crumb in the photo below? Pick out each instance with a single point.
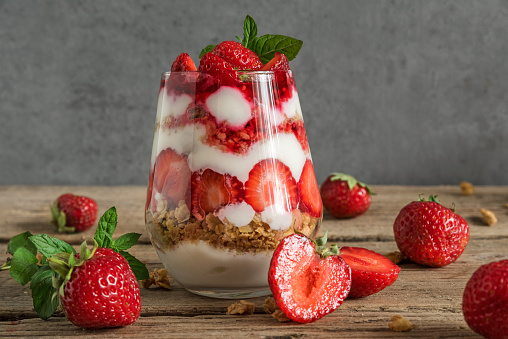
(396, 257)
(400, 324)
(506, 205)
(488, 216)
(243, 307)
(280, 316)
(467, 188)
(158, 277)
(270, 305)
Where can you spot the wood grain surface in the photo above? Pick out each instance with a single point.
(431, 298)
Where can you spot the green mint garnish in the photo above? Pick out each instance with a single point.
(126, 241)
(267, 45)
(43, 291)
(264, 46)
(106, 227)
(23, 265)
(49, 246)
(205, 50)
(48, 276)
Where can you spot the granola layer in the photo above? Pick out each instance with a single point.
(176, 226)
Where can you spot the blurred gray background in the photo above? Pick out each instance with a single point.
(392, 92)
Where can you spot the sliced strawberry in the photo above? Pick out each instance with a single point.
(278, 63)
(171, 175)
(305, 286)
(271, 182)
(149, 192)
(211, 190)
(238, 56)
(310, 198)
(183, 63)
(371, 271)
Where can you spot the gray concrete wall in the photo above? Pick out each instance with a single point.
(393, 92)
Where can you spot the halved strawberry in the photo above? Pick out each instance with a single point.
(307, 285)
(211, 190)
(310, 198)
(371, 271)
(171, 175)
(183, 63)
(271, 182)
(238, 56)
(278, 63)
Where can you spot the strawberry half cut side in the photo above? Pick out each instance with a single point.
(271, 182)
(305, 286)
(371, 271)
(310, 197)
(171, 175)
(211, 190)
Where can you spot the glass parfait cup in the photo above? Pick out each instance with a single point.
(231, 174)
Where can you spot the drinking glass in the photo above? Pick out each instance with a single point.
(231, 174)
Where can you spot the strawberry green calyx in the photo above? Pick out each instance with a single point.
(64, 263)
(432, 198)
(58, 219)
(351, 181)
(324, 251)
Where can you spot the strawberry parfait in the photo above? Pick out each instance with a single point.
(231, 172)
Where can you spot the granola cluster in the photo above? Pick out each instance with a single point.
(178, 225)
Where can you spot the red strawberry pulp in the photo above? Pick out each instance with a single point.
(304, 286)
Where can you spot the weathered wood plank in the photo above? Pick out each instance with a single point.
(430, 298)
(27, 208)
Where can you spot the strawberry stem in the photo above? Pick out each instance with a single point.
(324, 251)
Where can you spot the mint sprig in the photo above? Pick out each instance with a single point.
(48, 273)
(266, 45)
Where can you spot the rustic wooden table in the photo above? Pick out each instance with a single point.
(430, 298)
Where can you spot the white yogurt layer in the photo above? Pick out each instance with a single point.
(239, 214)
(282, 146)
(277, 217)
(174, 106)
(292, 108)
(228, 105)
(190, 263)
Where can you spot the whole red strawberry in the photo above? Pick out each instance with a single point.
(307, 280)
(73, 213)
(237, 55)
(485, 300)
(345, 197)
(101, 290)
(429, 233)
(371, 272)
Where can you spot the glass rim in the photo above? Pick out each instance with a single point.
(239, 71)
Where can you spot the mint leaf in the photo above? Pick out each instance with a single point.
(21, 240)
(49, 246)
(138, 268)
(106, 227)
(126, 241)
(23, 265)
(250, 31)
(205, 50)
(42, 292)
(266, 46)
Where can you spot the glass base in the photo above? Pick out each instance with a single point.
(232, 293)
